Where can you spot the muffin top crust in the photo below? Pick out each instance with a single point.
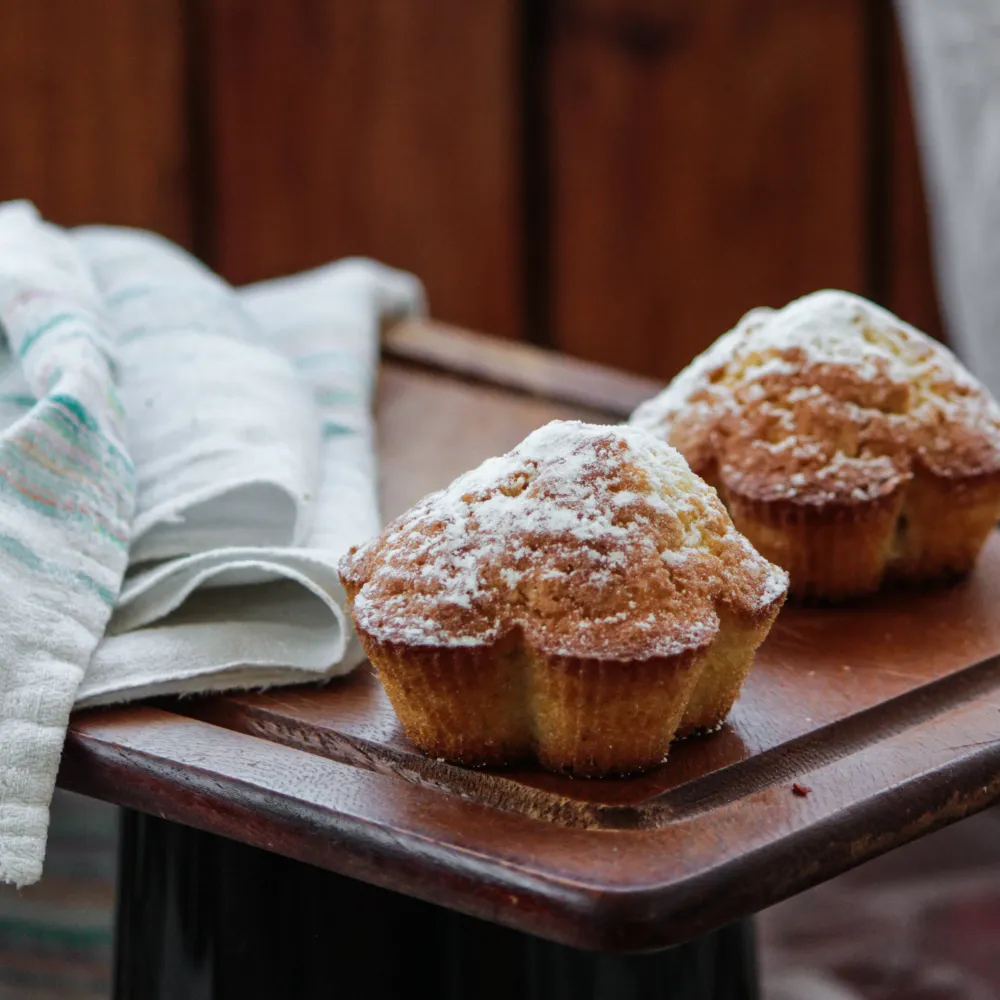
(593, 541)
(828, 400)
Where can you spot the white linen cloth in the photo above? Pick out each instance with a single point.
(953, 56)
(248, 426)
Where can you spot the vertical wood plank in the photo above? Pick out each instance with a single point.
(378, 127)
(911, 291)
(92, 121)
(706, 158)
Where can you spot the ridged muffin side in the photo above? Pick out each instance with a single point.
(582, 600)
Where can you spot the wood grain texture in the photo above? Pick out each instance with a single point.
(706, 158)
(376, 127)
(92, 122)
(820, 669)
(533, 370)
(617, 890)
(911, 291)
(885, 711)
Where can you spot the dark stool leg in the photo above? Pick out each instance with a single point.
(205, 918)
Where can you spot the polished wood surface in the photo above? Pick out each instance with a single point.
(558, 377)
(860, 728)
(818, 670)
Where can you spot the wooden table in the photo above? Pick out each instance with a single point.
(860, 728)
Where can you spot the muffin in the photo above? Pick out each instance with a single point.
(849, 448)
(581, 600)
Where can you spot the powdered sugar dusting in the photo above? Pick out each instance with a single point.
(584, 536)
(829, 398)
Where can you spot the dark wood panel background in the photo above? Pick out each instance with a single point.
(706, 157)
(617, 178)
(377, 127)
(93, 121)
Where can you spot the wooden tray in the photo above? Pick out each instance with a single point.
(885, 715)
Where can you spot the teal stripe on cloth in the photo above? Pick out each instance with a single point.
(16, 549)
(332, 429)
(32, 338)
(124, 295)
(333, 359)
(17, 399)
(338, 397)
(77, 409)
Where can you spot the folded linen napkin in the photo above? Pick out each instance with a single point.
(249, 424)
(244, 477)
(66, 500)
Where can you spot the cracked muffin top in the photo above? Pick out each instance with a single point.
(828, 400)
(593, 541)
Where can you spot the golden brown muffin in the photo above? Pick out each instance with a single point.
(849, 447)
(582, 599)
